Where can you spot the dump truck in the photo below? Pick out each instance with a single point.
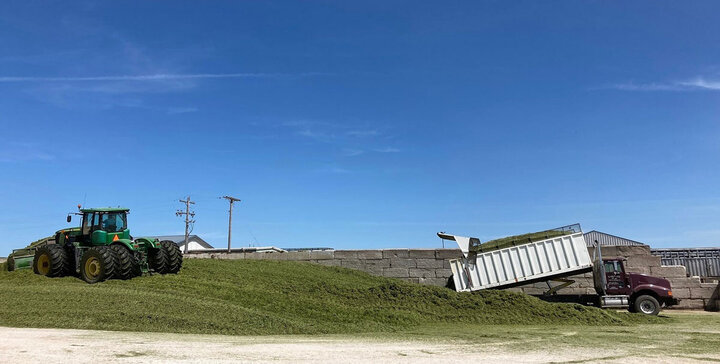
(100, 249)
(553, 256)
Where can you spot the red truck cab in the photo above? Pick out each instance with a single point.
(646, 294)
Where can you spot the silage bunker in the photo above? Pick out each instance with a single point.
(251, 297)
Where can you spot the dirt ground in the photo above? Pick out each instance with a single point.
(86, 346)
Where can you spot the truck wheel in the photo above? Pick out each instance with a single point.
(647, 304)
(10, 264)
(174, 255)
(158, 259)
(126, 266)
(97, 264)
(50, 261)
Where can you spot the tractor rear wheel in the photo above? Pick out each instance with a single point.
(158, 260)
(97, 264)
(10, 264)
(50, 261)
(175, 257)
(126, 266)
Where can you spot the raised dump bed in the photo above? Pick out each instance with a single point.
(518, 260)
(555, 255)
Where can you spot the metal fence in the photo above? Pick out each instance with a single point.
(703, 262)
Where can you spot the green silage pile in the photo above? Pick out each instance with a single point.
(517, 240)
(249, 297)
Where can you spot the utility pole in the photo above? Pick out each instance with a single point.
(231, 199)
(188, 214)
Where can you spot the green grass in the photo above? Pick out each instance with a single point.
(249, 297)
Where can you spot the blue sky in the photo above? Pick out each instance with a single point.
(368, 124)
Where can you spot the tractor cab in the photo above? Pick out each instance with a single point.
(101, 226)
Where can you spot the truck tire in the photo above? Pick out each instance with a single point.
(10, 264)
(174, 255)
(647, 304)
(158, 260)
(126, 266)
(97, 264)
(50, 261)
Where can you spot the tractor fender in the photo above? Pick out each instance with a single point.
(127, 243)
(148, 242)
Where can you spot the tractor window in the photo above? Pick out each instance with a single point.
(87, 223)
(610, 267)
(113, 222)
(96, 222)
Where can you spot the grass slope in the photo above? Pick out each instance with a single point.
(252, 297)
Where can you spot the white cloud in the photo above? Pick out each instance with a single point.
(362, 133)
(696, 84)
(150, 77)
(181, 110)
(348, 152)
(23, 152)
(387, 150)
(702, 84)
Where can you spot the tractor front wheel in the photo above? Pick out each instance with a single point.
(97, 264)
(174, 255)
(51, 261)
(126, 266)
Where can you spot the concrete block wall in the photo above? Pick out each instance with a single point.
(426, 266)
(431, 266)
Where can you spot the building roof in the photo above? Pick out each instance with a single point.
(605, 239)
(180, 240)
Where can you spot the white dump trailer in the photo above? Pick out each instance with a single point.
(555, 255)
(536, 261)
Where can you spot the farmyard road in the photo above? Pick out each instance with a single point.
(87, 346)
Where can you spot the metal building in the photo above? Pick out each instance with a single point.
(702, 262)
(608, 240)
(194, 242)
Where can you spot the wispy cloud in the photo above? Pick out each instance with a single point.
(24, 152)
(350, 152)
(153, 77)
(695, 84)
(702, 83)
(362, 133)
(387, 150)
(181, 110)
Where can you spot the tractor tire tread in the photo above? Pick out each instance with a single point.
(58, 260)
(158, 259)
(126, 266)
(107, 256)
(175, 258)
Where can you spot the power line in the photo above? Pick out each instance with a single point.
(231, 199)
(188, 214)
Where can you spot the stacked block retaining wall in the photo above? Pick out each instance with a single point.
(431, 266)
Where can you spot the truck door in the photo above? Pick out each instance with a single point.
(615, 278)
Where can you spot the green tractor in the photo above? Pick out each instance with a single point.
(102, 248)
